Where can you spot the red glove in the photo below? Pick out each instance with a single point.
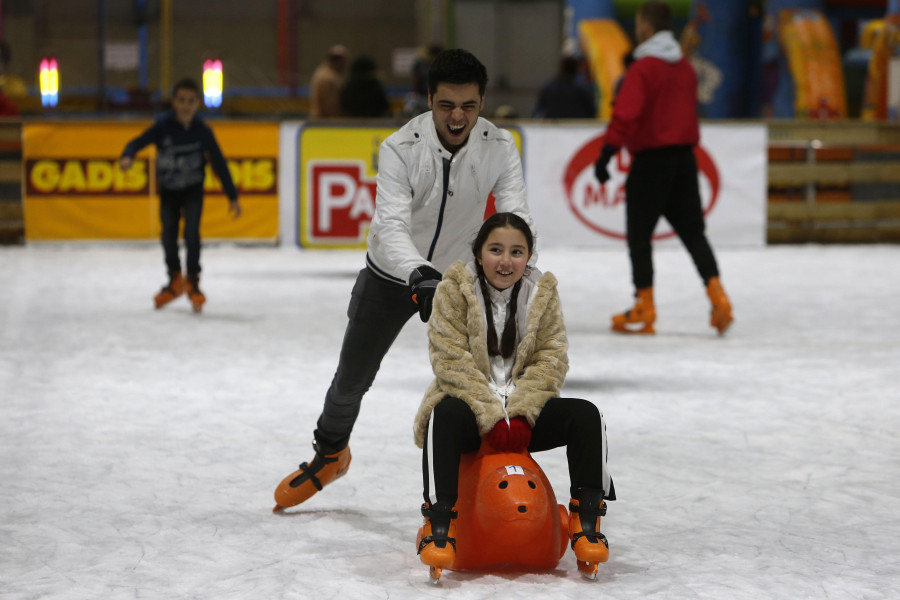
(514, 437)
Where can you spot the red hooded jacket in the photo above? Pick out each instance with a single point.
(656, 106)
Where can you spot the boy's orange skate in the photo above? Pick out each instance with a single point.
(639, 319)
(590, 546)
(310, 478)
(172, 290)
(720, 316)
(436, 540)
(196, 297)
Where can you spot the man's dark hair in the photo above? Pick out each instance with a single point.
(362, 65)
(456, 66)
(186, 84)
(657, 14)
(568, 67)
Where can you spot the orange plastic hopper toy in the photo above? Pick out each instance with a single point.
(508, 514)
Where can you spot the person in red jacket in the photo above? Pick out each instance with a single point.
(655, 118)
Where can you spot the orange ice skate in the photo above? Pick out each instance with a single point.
(590, 546)
(172, 290)
(639, 319)
(720, 316)
(196, 297)
(310, 478)
(436, 540)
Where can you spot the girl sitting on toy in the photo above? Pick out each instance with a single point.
(497, 344)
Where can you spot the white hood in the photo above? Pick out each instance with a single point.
(662, 45)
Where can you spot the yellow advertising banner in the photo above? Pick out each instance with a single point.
(815, 64)
(605, 43)
(74, 189)
(336, 169)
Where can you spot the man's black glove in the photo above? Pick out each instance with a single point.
(600, 166)
(423, 282)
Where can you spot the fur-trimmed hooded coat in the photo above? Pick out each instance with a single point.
(457, 345)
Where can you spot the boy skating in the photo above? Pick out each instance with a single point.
(183, 142)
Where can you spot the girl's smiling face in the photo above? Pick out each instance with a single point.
(504, 256)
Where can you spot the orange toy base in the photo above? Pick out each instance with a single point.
(508, 514)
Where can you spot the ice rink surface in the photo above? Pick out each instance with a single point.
(139, 449)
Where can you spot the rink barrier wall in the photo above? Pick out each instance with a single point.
(827, 182)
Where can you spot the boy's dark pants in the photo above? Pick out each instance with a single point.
(378, 311)
(172, 205)
(663, 183)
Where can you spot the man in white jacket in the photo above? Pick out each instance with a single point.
(435, 178)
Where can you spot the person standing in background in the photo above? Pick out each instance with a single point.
(564, 96)
(417, 100)
(363, 94)
(655, 117)
(9, 85)
(325, 85)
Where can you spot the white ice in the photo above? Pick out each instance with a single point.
(140, 448)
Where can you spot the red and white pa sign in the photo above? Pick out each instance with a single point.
(341, 202)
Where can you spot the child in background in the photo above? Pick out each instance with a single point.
(498, 348)
(183, 142)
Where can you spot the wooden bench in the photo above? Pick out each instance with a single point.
(833, 182)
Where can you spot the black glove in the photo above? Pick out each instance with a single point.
(600, 166)
(423, 282)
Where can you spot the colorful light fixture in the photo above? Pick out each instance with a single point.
(212, 82)
(49, 80)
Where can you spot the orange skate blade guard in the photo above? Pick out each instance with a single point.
(640, 328)
(588, 570)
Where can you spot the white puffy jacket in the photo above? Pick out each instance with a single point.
(415, 221)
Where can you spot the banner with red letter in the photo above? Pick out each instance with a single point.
(336, 184)
(571, 208)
